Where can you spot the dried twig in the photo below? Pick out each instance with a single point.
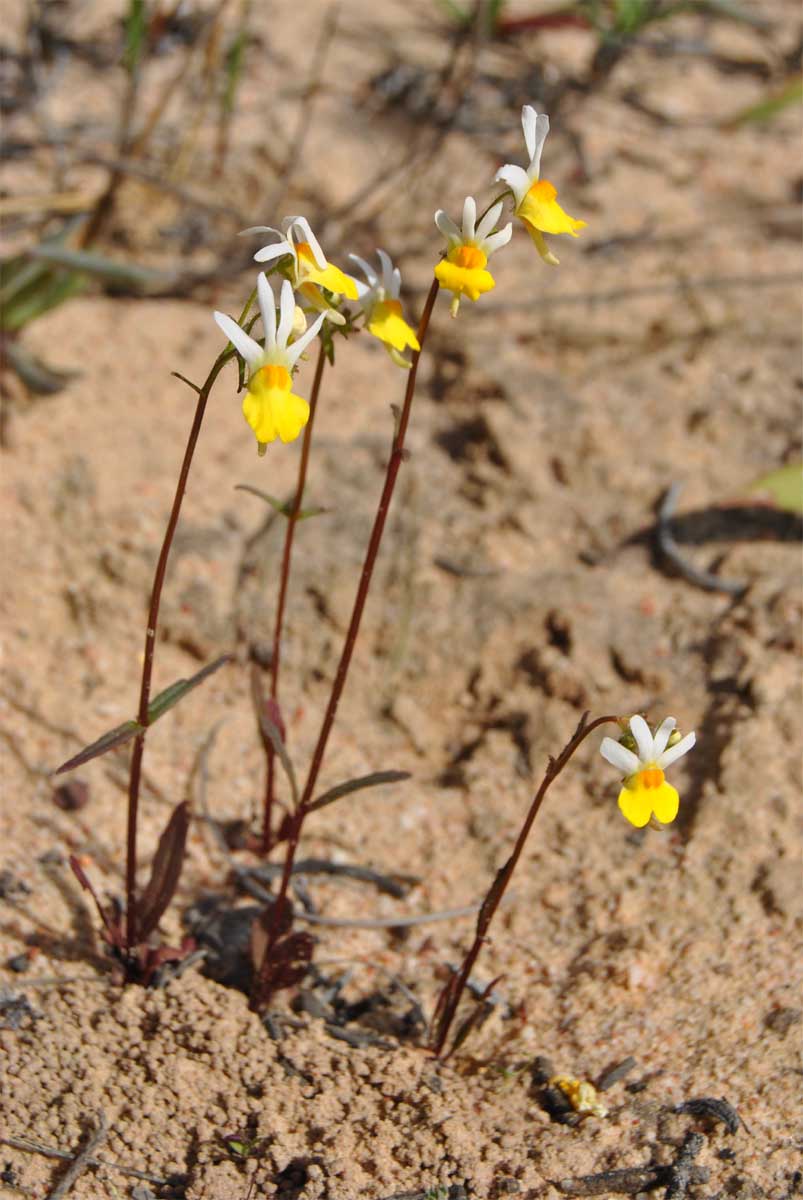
(670, 550)
(82, 1160)
(29, 1146)
(682, 1167)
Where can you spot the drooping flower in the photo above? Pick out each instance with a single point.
(379, 301)
(582, 1095)
(645, 791)
(308, 269)
(536, 201)
(463, 271)
(270, 407)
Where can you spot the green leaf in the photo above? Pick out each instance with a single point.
(285, 507)
(41, 293)
(357, 785)
(178, 690)
(785, 486)
(96, 264)
(108, 741)
(156, 709)
(135, 29)
(767, 108)
(36, 375)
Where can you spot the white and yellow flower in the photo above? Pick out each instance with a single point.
(645, 791)
(308, 269)
(379, 302)
(270, 407)
(463, 271)
(535, 199)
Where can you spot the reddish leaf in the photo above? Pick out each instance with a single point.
(165, 872)
(114, 929)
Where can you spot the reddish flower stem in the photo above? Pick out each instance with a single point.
(394, 463)
(135, 773)
(451, 993)
(292, 521)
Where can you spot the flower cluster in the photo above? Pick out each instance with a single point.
(463, 271)
(313, 288)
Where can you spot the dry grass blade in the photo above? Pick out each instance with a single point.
(357, 785)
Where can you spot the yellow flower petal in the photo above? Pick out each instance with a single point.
(464, 281)
(329, 277)
(271, 408)
(665, 803)
(388, 324)
(540, 209)
(635, 804)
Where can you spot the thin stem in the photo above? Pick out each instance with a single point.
(450, 996)
(131, 932)
(292, 521)
(394, 463)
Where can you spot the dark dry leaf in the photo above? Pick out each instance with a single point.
(165, 872)
(716, 1109)
(287, 965)
(357, 785)
(114, 931)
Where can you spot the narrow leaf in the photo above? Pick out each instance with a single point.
(109, 741)
(357, 785)
(285, 507)
(37, 376)
(178, 690)
(113, 930)
(785, 486)
(165, 872)
(156, 709)
(97, 264)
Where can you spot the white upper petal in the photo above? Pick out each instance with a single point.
(303, 224)
(489, 220)
(529, 119)
(366, 268)
(469, 218)
(250, 350)
(267, 306)
(294, 352)
(395, 284)
(675, 752)
(447, 227)
(641, 732)
(516, 179)
(539, 137)
(662, 734)
(619, 756)
(287, 316)
(497, 240)
(274, 250)
(258, 229)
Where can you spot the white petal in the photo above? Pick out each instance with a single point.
(387, 269)
(675, 752)
(309, 237)
(267, 306)
(288, 312)
(366, 268)
(497, 240)
(258, 229)
(250, 350)
(488, 221)
(619, 756)
(395, 284)
(447, 227)
(529, 119)
(641, 732)
(274, 250)
(294, 352)
(662, 735)
(541, 130)
(516, 179)
(469, 218)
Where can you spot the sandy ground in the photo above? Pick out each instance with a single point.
(518, 587)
